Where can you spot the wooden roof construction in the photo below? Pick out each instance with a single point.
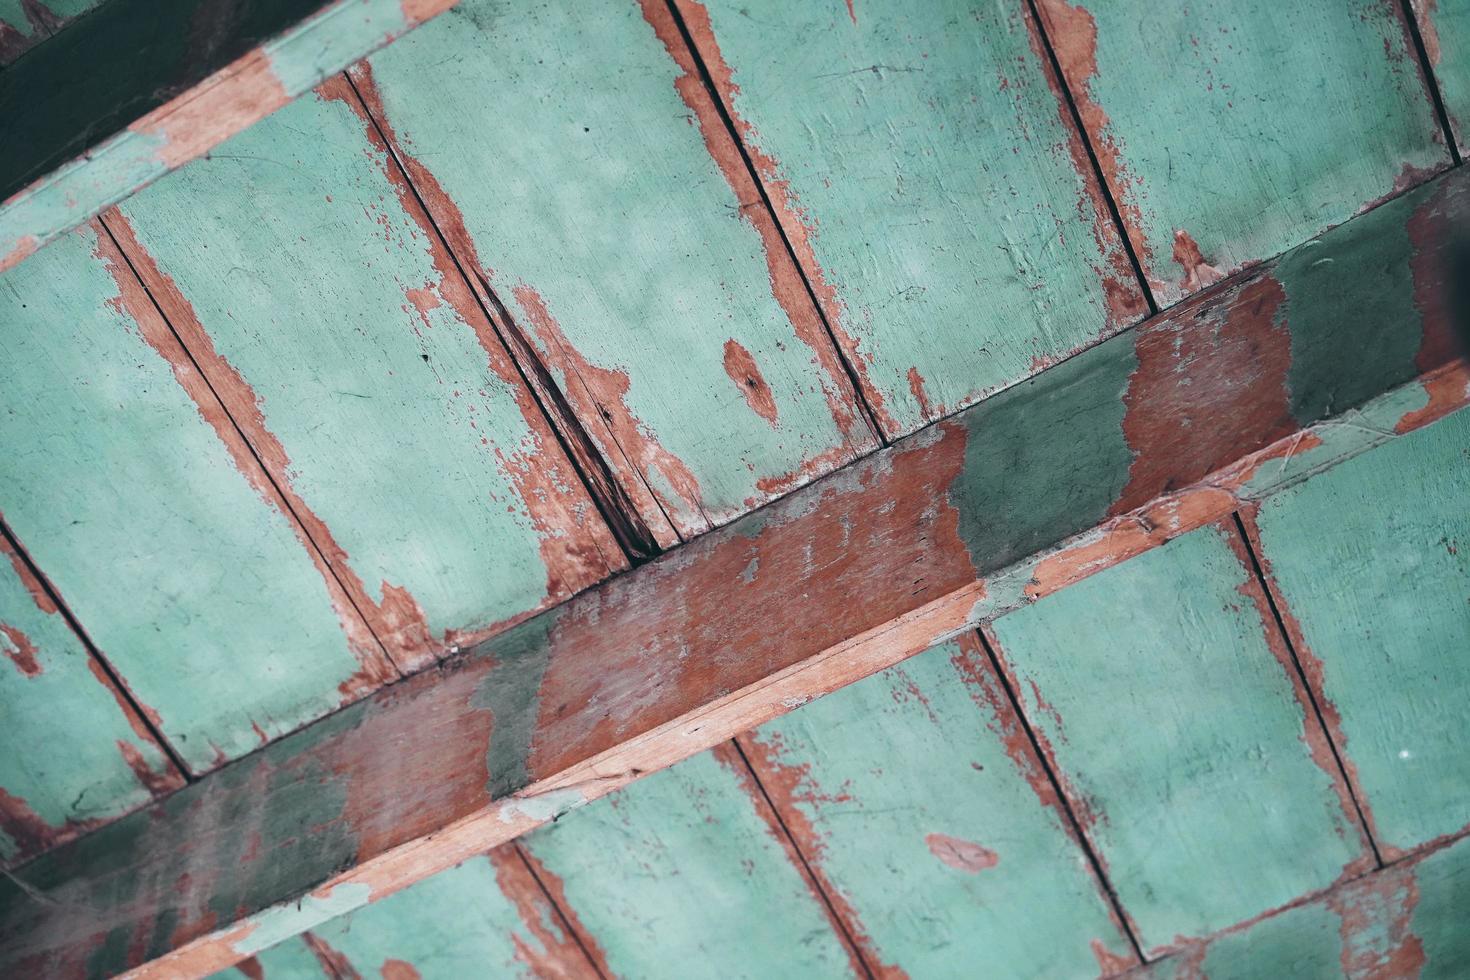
(680, 488)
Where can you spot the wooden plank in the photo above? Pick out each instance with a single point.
(141, 87)
(1407, 920)
(485, 917)
(684, 868)
(930, 823)
(1231, 131)
(923, 162)
(27, 23)
(1175, 718)
(894, 553)
(1444, 26)
(1370, 562)
(632, 255)
(132, 493)
(308, 286)
(77, 752)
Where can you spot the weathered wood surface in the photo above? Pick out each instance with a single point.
(1406, 921)
(689, 872)
(617, 226)
(892, 554)
(1444, 27)
(126, 484)
(1230, 131)
(486, 917)
(1175, 719)
(27, 23)
(928, 819)
(307, 284)
(76, 752)
(923, 162)
(140, 87)
(1371, 564)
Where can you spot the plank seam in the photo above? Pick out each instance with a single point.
(1431, 82)
(561, 913)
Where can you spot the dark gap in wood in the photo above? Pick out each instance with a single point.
(1280, 624)
(1074, 824)
(714, 94)
(561, 913)
(608, 495)
(112, 675)
(811, 876)
(250, 447)
(1411, 22)
(1097, 171)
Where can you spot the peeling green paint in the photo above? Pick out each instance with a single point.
(511, 693)
(1445, 27)
(282, 922)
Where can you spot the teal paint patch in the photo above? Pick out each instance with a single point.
(930, 168)
(616, 243)
(290, 960)
(194, 587)
(920, 821)
(510, 690)
(1181, 737)
(281, 922)
(678, 869)
(1372, 559)
(1045, 459)
(1438, 919)
(1445, 27)
(1239, 124)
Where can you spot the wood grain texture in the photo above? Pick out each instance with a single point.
(1371, 562)
(923, 162)
(618, 228)
(682, 872)
(163, 538)
(1229, 132)
(486, 917)
(307, 284)
(1174, 718)
(929, 821)
(1445, 27)
(77, 754)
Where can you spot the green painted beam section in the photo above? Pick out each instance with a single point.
(76, 753)
(27, 23)
(1371, 560)
(931, 823)
(1234, 130)
(1444, 26)
(486, 917)
(1405, 921)
(1187, 747)
(924, 161)
(684, 872)
(636, 259)
(185, 574)
(310, 288)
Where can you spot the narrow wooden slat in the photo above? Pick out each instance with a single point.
(1172, 713)
(1444, 26)
(127, 485)
(1370, 562)
(306, 283)
(573, 159)
(77, 752)
(683, 872)
(27, 23)
(1231, 131)
(930, 822)
(923, 163)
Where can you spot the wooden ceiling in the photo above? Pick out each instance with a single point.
(563, 393)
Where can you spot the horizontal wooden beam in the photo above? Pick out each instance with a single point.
(1264, 378)
(137, 88)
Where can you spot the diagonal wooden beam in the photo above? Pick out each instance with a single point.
(137, 88)
(1159, 430)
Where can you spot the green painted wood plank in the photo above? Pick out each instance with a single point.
(309, 286)
(927, 168)
(486, 917)
(932, 825)
(1372, 561)
(636, 258)
(1406, 921)
(1445, 27)
(1232, 131)
(1158, 693)
(681, 873)
(76, 753)
(185, 573)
